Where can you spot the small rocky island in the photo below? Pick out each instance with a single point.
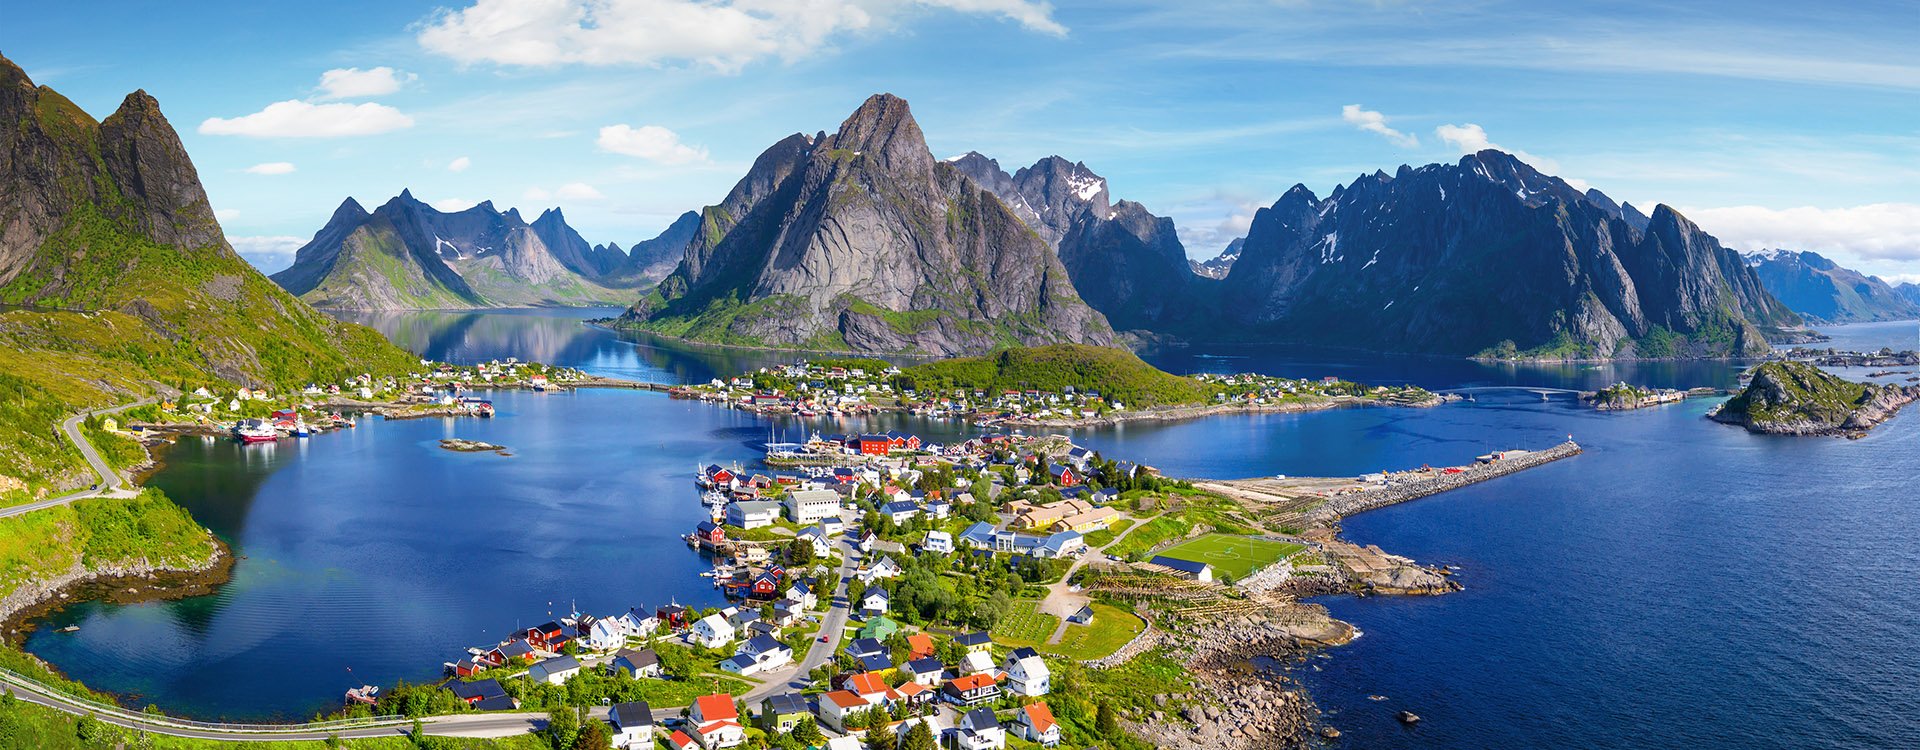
(459, 445)
(1796, 398)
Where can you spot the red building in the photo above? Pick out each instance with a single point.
(673, 616)
(545, 636)
(873, 445)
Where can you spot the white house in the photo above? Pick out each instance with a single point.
(866, 542)
(976, 662)
(821, 541)
(555, 671)
(882, 568)
(832, 525)
(978, 730)
(716, 722)
(605, 635)
(632, 725)
(712, 631)
(836, 706)
(940, 542)
(1034, 723)
(758, 654)
(638, 663)
(800, 592)
(752, 514)
(934, 725)
(1027, 674)
(638, 624)
(874, 602)
(808, 506)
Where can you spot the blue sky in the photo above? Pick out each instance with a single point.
(1768, 123)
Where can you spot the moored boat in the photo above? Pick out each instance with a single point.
(255, 431)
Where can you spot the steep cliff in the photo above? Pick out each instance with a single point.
(862, 241)
(1490, 257)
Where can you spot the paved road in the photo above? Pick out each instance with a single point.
(1061, 600)
(110, 483)
(790, 678)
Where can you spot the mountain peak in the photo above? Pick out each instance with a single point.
(883, 126)
(349, 208)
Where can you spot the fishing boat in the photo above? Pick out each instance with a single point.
(255, 431)
(367, 694)
(300, 430)
(714, 499)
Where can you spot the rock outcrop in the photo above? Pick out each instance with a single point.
(1490, 257)
(862, 241)
(1796, 398)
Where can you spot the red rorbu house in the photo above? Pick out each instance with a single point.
(710, 533)
(546, 637)
(873, 445)
(907, 442)
(673, 616)
(517, 649)
(766, 586)
(719, 476)
(1063, 475)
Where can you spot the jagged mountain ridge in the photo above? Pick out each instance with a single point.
(1124, 261)
(862, 241)
(1822, 290)
(1219, 265)
(408, 255)
(1490, 257)
(109, 217)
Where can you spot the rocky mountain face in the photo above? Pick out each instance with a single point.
(1821, 290)
(109, 217)
(1908, 291)
(1490, 257)
(862, 241)
(651, 260)
(1124, 261)
(407, 255)
(1219, 265)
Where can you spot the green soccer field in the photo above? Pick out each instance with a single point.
(1232, 556)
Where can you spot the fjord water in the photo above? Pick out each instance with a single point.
(1681, 584)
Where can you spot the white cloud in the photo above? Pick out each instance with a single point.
(577, 191)
(452, 205)
(1375, 122)
(354, 83)
(1879, 231)
(226, 214)
(297, 119)
(650, 142)
(272, 167)
(267, 253)
(724, 35)
(459, 164)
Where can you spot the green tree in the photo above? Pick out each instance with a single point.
(563, 727)
(807, 733)
(593, 736)
(1107, 721)
(880, 737)
(800, 552)
(918, 738)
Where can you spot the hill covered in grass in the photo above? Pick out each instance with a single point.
(1117, 375)
(1796, 398)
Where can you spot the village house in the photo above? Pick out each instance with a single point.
(976, 662)
(900, 511)
(605, 634)
(710, 534)
(926, 671)
(920, 646)
(801, 592)
(638, 663)
(1034, 723)
(673, 617)
(752, 514)
(637, 624)
(822, 542)
(808, 506)
(483, 695)
(975, 641)
(681, 741)
(632, 725)
(547, 637)
(1198, 571)
(757, 655)
(977, 730)
(1027, 673)
(554, 671)
(778, 713)
(1058, 545)
(874, 602)
(512, 650)
(837, 705)
(881, 569)
(971, 690)
(938, 542)
(711, 631)
(716, 722)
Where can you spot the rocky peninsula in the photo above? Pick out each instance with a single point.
(1797, 398)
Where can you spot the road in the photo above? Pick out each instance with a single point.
(110, 483)
(1061, 600)
(791, 679)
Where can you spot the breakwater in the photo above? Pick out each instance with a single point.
(1413, 489)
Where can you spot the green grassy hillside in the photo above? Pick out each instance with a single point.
(1116, 374)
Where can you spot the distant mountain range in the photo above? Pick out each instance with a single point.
(1821, 290)
(862, 241)
(407, 255)
(1219, 265)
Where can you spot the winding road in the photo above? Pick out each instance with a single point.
(110, 484)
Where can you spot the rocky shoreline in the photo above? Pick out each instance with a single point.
(137, 581)
(1799, 399)
(459, 445)
(1347, 505)
(1249, 705)
(1177, 413)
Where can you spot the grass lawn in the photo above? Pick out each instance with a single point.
(1112, 627)
(1106, 536)
(1025, 625)
(1232, 556)
(1152, 534)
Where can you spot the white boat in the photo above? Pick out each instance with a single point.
(255, 431)
(713, 499)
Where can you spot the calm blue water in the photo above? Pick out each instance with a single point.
(1682, 584)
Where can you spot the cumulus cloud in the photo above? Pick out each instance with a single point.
(226, 214)
(650, 142)
(459, 164)
(297, 119)
(272, 167)
(724, 35)
(1375, 122)
(354, 83)
(1879, 231)
(267, 253)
